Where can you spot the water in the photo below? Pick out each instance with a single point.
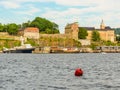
(56, 71)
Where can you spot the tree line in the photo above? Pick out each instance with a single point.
(44, 26)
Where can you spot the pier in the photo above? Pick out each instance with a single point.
(108, 49)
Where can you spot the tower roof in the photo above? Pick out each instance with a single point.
(102, 23)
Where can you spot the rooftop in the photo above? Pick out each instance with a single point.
(93, 28)
(31, 29)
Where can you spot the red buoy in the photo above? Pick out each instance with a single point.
(78, 72)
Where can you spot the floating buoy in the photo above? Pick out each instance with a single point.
(78, 72)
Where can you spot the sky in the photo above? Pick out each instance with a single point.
(88, 13)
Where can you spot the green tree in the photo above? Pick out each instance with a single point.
(109, 43)
(95, 35)
(1, 27)
(82, 33)
(26, 24)
(117, 31)
(12, 29)
(5, 28)
(44, 24)
(48, 31)
(93, 46)
(55, 28)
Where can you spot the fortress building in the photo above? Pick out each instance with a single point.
(72, 30)
(106, 32)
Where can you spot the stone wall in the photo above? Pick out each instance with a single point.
(3, 33)
(55, 35)
(85, 42)
(31, 35)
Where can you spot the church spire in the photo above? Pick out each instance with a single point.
(102, 26)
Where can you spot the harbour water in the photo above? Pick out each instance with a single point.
(56, 71)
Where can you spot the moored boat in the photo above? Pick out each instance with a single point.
(71, 50)
(27, 48)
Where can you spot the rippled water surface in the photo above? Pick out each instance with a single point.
(56, 71)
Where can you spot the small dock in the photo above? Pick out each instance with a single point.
(108, 49)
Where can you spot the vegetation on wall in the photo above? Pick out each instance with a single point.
(33, 42)
(94, 44)
(109, 43)
(61, 42)
(8, 43)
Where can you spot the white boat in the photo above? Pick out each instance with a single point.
(71, 50)
(22, 49)
(103, 52)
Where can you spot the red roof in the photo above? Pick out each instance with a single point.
(31, 29)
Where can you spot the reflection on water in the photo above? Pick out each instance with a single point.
(56, 71)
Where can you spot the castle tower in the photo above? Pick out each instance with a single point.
(102, 26)
(72, 29)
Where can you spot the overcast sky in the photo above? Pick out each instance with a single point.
(85, 12)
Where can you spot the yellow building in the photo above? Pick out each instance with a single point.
(106, 33)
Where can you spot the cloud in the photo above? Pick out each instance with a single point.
(87, 16)
(86, 12)
(8, 4)
(16, 3)
(29, 11)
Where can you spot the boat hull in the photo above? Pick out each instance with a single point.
(70, 51)
(24, 50)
